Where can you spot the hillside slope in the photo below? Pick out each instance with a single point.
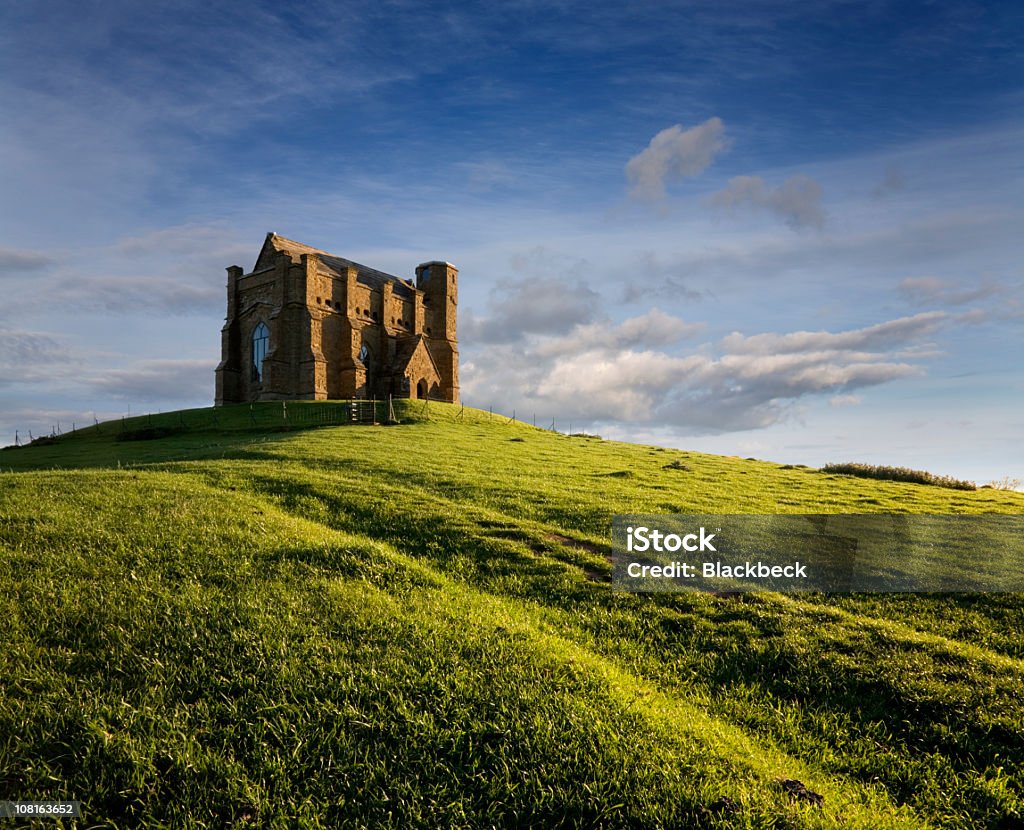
(412, 626)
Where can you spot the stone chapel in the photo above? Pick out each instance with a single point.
(307, 325)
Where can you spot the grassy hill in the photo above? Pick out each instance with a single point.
(412, 625)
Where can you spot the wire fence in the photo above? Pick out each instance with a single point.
(278, 416)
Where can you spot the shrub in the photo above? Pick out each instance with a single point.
(898, 474)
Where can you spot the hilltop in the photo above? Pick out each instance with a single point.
(411, 625)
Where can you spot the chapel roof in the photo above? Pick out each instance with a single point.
(331, 264)
(405, 348)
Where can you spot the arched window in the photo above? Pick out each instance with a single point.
(366, 358)
(260, 339)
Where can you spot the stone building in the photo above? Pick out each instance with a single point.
(307, 325)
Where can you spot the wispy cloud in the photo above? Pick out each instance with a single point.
(176, 270)
(881, 336)
(870, 253)
(797, 201)
(892, 182)
(14, 262)
(845, 400)
(151, 295)
(157, 380)
(674, 154)
(29, 356)
(937, 291)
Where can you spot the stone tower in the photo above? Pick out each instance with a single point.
(307, 325)
(439, 283)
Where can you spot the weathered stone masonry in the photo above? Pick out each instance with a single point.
(308, 325)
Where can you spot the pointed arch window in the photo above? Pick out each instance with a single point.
(260, 339)
(366, 358)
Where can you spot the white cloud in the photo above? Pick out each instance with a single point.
(845, 400)
(623, 374)
(537, 304)
(797, 201)
(880, 336)
(673, 154)
(650, 330)
(936, 291)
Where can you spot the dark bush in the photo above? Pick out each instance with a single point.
(898, 474)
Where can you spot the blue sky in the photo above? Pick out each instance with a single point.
(787, 230)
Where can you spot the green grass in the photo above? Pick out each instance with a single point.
(411, 626)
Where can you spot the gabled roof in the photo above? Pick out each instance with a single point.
(405, 350)
(333, 265)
